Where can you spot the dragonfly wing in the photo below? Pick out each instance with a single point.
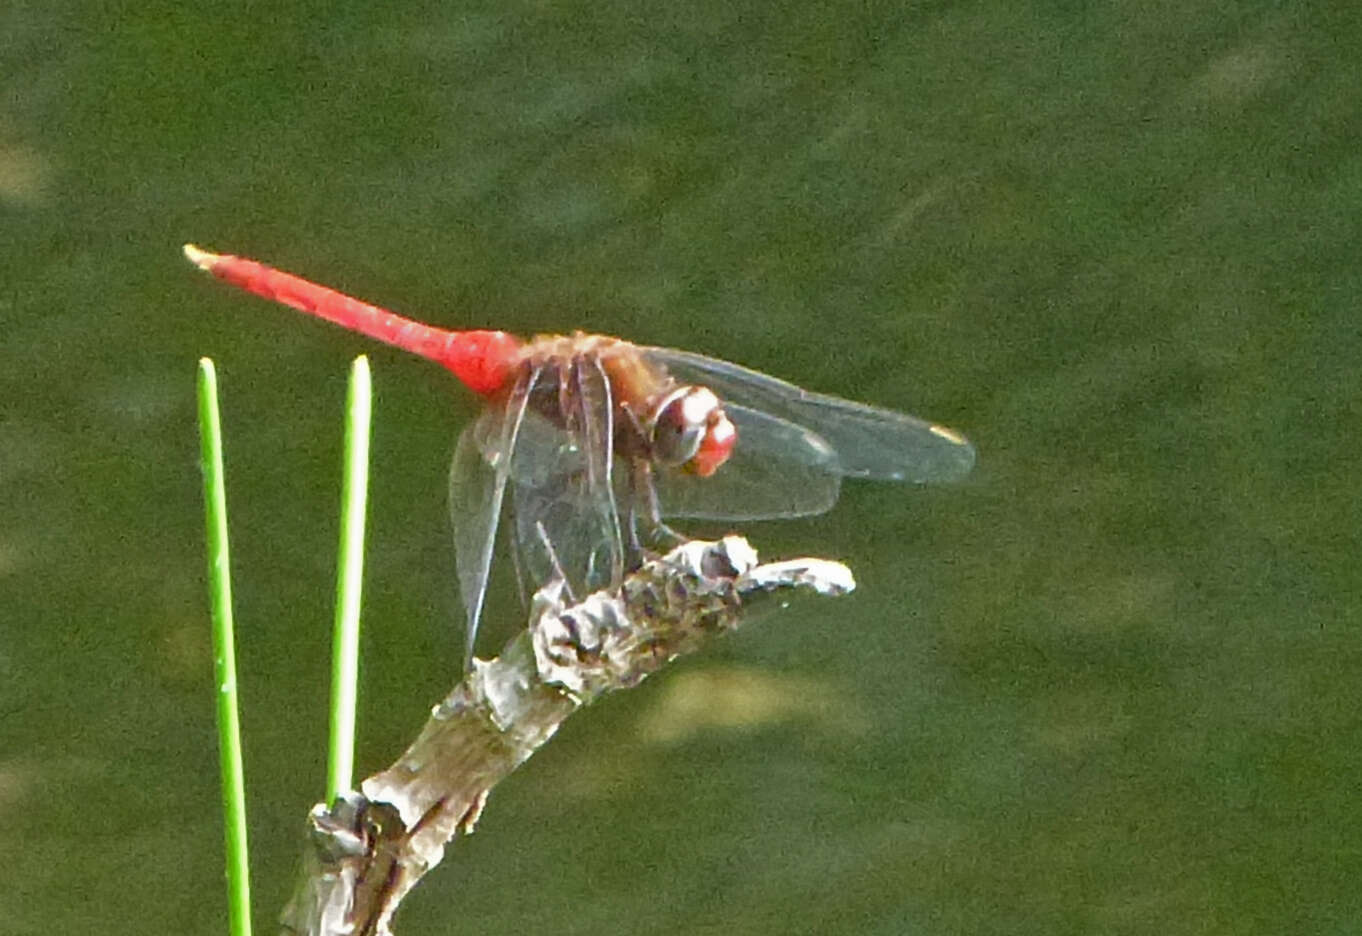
(870, 442)
(477, 486)
(777, 469)
(564, 499)
(594, 413)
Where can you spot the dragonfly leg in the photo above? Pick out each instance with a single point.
(649, 536)
(553, 560)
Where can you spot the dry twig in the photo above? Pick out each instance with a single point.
(371, 847)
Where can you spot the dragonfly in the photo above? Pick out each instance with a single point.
(598, 441)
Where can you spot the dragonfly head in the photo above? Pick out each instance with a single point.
(690, 430)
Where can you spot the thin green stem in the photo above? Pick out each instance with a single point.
(349, 578)
(224, 655)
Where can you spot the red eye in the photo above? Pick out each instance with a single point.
(676, 431)
(717, 444)
(691, 430)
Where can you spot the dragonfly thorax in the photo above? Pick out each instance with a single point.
(688, 428)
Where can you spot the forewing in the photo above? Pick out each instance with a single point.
(777, 469)
(564, 499)
(870, 442)
(477, 485)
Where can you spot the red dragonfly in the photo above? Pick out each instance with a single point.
(598, 440)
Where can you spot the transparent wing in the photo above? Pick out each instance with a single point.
(477, 485)
(564, 487)
(777, 470)
(870, 442)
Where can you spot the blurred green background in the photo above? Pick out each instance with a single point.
(1108, 685)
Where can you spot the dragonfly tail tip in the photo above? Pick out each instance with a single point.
(202, 259)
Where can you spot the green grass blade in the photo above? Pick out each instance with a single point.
(349, 578)
(224, 655)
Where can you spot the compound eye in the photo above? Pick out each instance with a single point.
(716, 445)
(692, 430)
(679, 426)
